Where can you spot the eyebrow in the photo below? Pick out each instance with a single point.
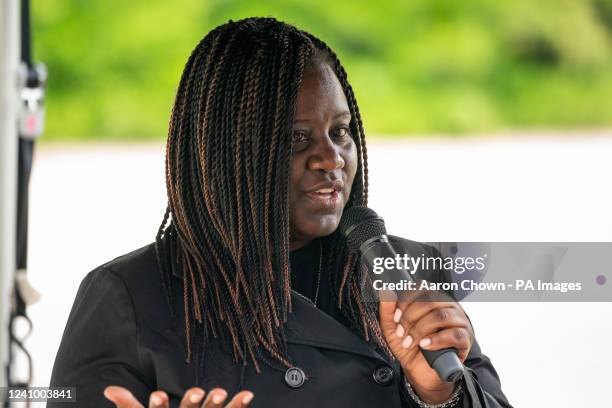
(341, 114)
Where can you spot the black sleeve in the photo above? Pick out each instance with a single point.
(481, 385)
(99, 344)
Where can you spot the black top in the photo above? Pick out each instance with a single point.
(305, 268)
(120, 332)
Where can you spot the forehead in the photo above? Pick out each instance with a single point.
(320, 93)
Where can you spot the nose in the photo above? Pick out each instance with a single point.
(325, 156)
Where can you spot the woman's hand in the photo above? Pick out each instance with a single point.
(432, 325)
(193, 398)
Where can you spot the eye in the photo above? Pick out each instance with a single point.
(342, 132)
(299, 136)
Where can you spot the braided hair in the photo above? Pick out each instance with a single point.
(226, 226)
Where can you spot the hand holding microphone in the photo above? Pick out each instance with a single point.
(429, 338)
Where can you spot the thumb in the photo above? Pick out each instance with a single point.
(121, 397)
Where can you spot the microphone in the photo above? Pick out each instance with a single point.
(366, 234)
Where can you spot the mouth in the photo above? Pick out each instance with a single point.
(327, 195)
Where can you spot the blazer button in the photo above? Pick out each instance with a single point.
(383, 375)
(294, 377)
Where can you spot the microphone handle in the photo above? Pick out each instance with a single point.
(445, 361)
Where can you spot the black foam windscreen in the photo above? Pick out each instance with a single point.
(358, 224)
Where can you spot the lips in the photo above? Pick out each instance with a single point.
(327, 187)
(326, 194)
(324, 190)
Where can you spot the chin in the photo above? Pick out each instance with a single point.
(324, 226)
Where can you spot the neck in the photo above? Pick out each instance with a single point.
(298, 244)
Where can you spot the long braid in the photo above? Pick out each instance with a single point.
(226, 227)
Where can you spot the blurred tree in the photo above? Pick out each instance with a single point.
(417, 66)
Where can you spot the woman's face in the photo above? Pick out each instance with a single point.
(324, 159)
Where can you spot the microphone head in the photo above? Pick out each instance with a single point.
(358, 224)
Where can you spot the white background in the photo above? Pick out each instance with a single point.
(91, 203)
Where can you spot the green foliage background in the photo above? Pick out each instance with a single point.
(417, 66)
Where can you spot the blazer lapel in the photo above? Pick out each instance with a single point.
(311, 326)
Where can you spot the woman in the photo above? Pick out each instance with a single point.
(259, 301)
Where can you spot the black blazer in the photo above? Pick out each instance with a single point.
(120, 332)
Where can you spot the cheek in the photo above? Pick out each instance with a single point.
(350, 167)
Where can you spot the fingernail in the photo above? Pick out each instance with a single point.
(407, 342)
(247, 399)
(399, 332)
(217, 399)
(196, 397)
(397, 316)
(156, 401)
(425, 343)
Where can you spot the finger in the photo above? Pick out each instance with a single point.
(391, 314)
(387, 311)
(456, 337)
(159, 399)
(121, 397)
(391, 311)
(192, 398)
(415, 295)
(418, 298)
(417, 310)
(241, 400)
(460, 307)
(215, 398)
(386, 295)
(407, 297)
(436, 320)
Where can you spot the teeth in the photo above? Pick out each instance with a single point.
(325, 190)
